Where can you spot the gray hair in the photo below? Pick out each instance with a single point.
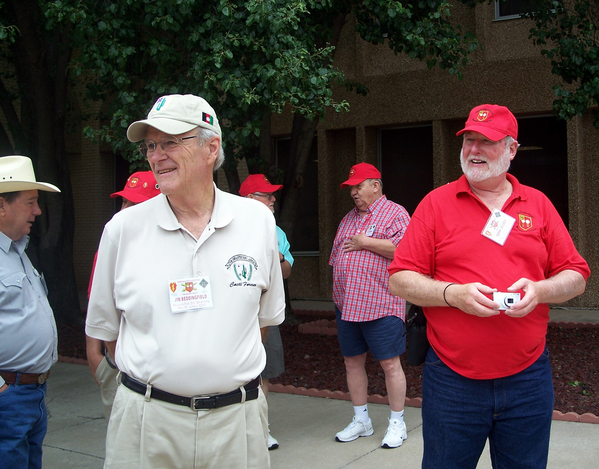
(372, 180)
(204, 136)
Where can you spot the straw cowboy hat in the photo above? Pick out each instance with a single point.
(16, 174)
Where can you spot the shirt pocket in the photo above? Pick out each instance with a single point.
(17, 293)
(42, 280)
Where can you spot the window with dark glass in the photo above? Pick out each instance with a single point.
(505, 9)
(305, 231)
(406, 156)
(542, 159)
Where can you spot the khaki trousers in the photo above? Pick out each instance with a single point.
(106, 376)
(152, 434)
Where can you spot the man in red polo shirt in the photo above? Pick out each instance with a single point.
(487, 374)
(368, 316)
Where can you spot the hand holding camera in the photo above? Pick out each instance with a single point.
(505, 300)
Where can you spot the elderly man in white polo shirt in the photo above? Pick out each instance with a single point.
(183, 284)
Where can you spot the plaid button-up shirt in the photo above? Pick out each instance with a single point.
(360, 278)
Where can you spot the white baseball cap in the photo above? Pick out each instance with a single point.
(176, 114)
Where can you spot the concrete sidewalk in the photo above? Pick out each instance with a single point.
(304, 426)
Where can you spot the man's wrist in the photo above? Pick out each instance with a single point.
(282, 260)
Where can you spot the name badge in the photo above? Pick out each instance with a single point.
(190, 294)
(370, 230)
(498, 227)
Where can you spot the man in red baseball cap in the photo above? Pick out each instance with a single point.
(368, 316)
(140, 186)
(484, 256)
(258, 187)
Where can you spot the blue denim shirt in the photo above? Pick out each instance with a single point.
(28, 336)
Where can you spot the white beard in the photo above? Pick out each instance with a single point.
(491, 170)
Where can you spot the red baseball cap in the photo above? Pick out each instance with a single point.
(493, 121)
(359, 173)
(140, 186)
(257, 183)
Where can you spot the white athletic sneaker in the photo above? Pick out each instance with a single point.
(395, 434)
(354, 430)
(272, 442)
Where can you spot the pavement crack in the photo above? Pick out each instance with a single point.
(72, 451)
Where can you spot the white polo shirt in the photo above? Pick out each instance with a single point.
(144, 250)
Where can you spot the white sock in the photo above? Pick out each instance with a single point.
(361, 412)
(396, 415)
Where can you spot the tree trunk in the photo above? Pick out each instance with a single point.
(301, 141)
(302, 134)
(41, 66)
(232, 179)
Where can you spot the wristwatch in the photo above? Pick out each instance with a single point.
(282, 259)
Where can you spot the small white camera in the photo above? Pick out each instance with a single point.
(505, 300)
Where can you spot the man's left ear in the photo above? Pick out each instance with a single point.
(214, 146)
(513, 149)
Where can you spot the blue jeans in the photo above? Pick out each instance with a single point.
(23, 425)
(459, 414)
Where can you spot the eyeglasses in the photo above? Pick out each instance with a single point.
(266, 196)
(149, 147)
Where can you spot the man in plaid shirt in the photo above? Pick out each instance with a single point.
(368, 316)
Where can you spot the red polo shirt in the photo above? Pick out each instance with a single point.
(444, 241)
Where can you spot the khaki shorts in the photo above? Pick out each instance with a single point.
(156, 434)
(275, 359)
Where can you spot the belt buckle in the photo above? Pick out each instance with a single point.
(41, 379)
(195, 399)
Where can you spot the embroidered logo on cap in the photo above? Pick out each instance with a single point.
(133, 182)
(483, 115)
(352, 172)
(160, 103)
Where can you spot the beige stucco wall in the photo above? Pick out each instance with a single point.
(508, 70)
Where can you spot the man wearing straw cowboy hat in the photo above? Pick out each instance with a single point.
(27, 327)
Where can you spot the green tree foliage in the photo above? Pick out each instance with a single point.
(569, 32)
(244, 57)
(248, 58)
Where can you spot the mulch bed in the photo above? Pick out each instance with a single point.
(314, 361)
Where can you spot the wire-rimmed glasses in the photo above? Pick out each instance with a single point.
(149, 147)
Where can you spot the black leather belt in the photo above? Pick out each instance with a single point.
(250, 391)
